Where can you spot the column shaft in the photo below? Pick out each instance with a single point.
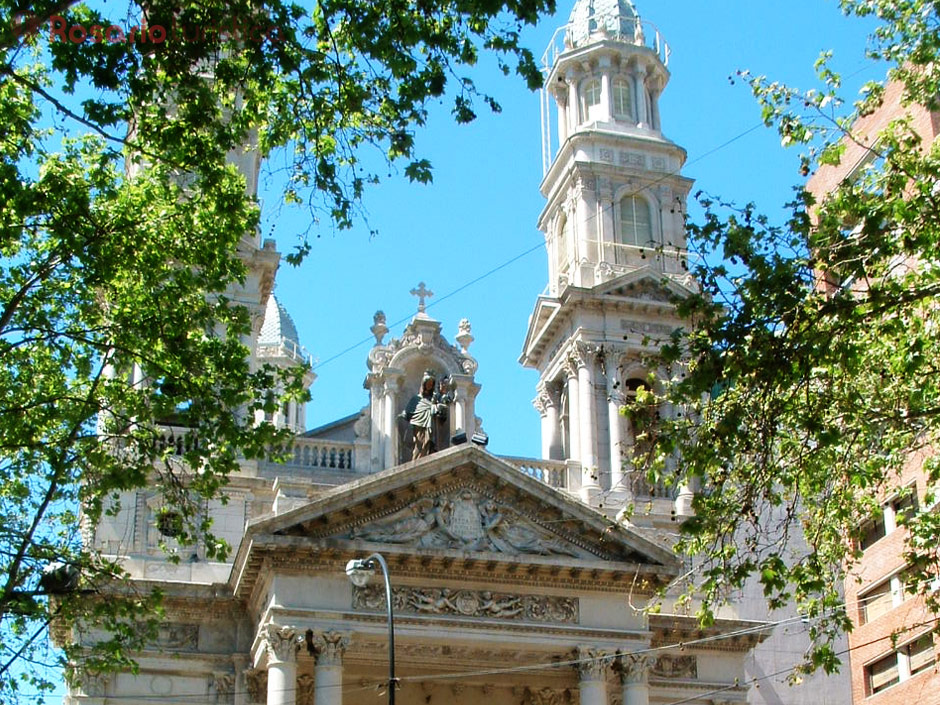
(574, 418)
(391, 427)
(589, 479)
(282, 683)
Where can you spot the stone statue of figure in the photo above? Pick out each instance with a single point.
(424, 408)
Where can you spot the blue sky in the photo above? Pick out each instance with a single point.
(481, 210)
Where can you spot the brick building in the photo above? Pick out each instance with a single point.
(892, 651)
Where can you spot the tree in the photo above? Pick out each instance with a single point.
(118, 285)
(808, 375)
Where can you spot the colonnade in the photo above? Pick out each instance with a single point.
(279, 683)
(576, 437)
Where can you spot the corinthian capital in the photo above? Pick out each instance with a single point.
(635, 668)
(282, 643)
(329, 647)
(593, 663)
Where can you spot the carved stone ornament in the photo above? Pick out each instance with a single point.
(256, 682)
(469, 603)
(95, 685)
(379, 329)
(363, 425)
(675, 666)
(635, 668)
(178, 637)
(282, 643)
(305, 689)
(546, 696)
(222, 685)
(647, 290)
(329, 647)
(593, 663)
(467, 521)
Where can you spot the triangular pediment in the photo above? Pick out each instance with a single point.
(645, 284)
(465, 502)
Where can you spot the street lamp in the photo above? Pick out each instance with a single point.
(360, 571)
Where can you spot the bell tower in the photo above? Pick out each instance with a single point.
(615, 234)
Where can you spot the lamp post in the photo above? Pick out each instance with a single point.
(360, 571)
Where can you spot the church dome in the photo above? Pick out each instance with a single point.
(277, 326)
(616, 18)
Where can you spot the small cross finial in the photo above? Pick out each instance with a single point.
(422, 293)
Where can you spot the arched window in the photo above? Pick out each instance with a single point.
(590, 99)
(636, 222)
(622, 100)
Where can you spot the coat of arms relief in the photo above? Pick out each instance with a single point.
(469, 521)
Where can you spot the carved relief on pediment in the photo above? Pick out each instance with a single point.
(468, 521)
(470, 603)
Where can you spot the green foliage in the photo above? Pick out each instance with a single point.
(125, 242)
(809, 376)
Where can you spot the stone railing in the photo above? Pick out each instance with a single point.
(553, 473)
(316, 453)
(285, 348)
(649, 37)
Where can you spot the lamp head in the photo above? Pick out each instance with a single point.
(360, 571)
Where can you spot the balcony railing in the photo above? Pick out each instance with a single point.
(315, 453)
(553, 473)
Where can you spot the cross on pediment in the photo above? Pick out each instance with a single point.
(422, 293)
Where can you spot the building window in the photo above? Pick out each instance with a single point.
(920, 654)
(898, 666)
(636, 222)
(882, 674)
(622, 100)
(876, 602)
(872, 531)
(590, 99)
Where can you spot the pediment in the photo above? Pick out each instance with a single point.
(646, 284)
(465, 502)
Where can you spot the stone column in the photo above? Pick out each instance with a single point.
(546, 403)
(592, 671)
(606, 109)
(282, 644)
(585, 358)
(561, 99)
(639, 78)
(574, 417)
(634, 673)
(390, 403)
(574, 117)
(328, 647)
(615, 420)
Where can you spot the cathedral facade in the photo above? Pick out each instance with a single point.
(508, 584)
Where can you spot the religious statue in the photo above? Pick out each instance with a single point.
(423, 410)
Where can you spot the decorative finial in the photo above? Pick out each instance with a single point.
(379, 329)
(422, 293)
(464, 338)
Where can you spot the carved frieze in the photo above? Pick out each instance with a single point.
(547, 696)
(468, 521)
(178, 637)
(470, 603)
(675, 666)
